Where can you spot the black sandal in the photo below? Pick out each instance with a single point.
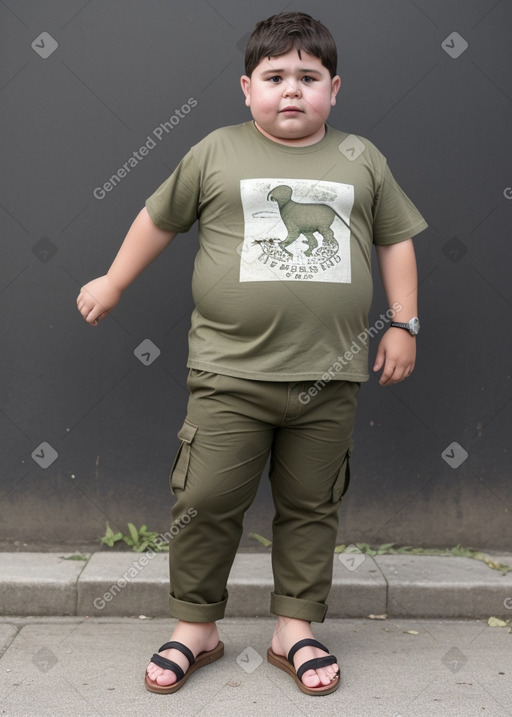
(288, 666)
(203, 658)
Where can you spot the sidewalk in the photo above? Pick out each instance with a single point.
(128, 584)
(95, 624)
(56, 667)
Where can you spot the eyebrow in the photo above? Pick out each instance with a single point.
(300, 70)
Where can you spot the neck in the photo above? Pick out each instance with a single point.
(291, 142)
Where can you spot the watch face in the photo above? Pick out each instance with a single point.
(414, 326)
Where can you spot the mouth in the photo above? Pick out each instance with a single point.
(290, 110)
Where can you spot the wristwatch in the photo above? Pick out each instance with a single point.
(413, 327)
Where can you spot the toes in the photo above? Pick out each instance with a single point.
(334, 671)
(311, 679)
(323, 676)
(330, 674)
(165, 678)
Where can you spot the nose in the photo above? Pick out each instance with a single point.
(291, 89)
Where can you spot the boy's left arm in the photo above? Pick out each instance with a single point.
(397, 349)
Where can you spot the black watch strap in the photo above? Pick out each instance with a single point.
(413, 326)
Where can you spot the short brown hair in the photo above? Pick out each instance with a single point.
(280, 33)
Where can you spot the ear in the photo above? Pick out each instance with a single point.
(335, 86)
(245, 83)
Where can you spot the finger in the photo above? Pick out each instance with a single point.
(379, 361)
(92, 319)
(84, 309)
(398, 375)
(387, 375)
(91, 315)
(97, 315)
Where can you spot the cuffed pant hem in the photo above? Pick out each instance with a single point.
(196, 612)
(297, 608)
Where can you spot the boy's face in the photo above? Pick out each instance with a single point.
(290, 97)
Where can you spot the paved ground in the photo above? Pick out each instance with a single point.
(391, 668)
(76, 637)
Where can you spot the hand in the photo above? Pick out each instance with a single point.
(97, 299)
(397, 354)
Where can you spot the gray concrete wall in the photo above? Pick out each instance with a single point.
(88, 430)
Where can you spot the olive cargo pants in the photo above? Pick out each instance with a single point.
(232, 426)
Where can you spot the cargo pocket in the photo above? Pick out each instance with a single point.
(342, 482)
(179, 470)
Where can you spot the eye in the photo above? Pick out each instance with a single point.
(308, 79)
(274, 79)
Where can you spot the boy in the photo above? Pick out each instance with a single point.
(282, 288)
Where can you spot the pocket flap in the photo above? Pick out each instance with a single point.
(179, 470)
(187, 432)
(343, 479)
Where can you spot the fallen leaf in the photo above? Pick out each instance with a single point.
(412, 632)
(264, 541)
(496, 622)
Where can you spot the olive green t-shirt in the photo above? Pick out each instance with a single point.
(282, 280)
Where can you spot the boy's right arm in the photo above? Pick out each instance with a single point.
(143, 243)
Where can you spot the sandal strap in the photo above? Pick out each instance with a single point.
(166, 664)
(173, 645)
(307, 642)
(315, 663)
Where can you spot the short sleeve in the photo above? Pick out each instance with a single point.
(174, 205)
(395, 218)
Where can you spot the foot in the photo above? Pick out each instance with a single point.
(197, 636)
(288, 631)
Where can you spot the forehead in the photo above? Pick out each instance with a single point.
(293, 61)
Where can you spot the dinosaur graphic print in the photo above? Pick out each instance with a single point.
(295, 230)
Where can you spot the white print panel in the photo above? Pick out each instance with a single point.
(296, 229)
